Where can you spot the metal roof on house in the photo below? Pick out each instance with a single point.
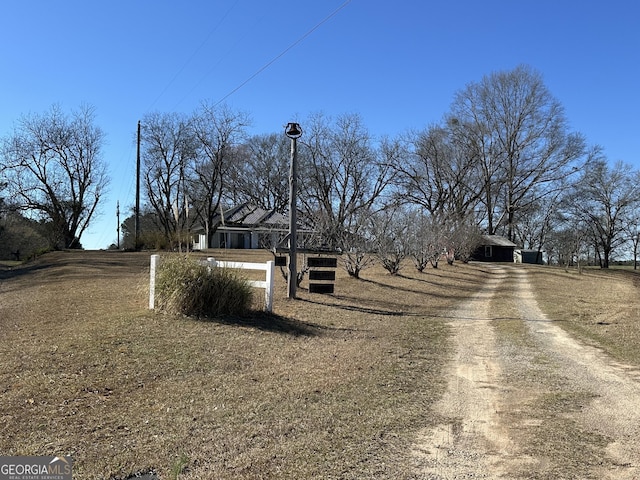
(260, 216)
(247, 215)
(497, 240)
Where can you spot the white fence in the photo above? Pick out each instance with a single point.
(267, 284)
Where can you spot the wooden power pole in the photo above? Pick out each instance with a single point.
(137, 212)
(118, 223)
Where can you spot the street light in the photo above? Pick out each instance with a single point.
(293, 131)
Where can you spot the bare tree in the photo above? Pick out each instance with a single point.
(390, 230)
(602, 198)
(358, 253)
(631, 229)
(218, 133)
(568, 245)
(428, 239)
(464, 237)
(535, 221)
(54, 166)
(438, 173)
(520, 135)
(342, 176)
(261, 175)
(168, 148)
(357, 259)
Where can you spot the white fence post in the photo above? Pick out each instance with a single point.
(155, 260)
(268, 288)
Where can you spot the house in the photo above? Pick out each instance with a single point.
(494, 248)
(244, 226)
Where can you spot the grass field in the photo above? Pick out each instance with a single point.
(602, 307)
(330, 386)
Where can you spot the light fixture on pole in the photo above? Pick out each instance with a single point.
(293, 131)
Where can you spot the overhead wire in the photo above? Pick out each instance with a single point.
(215, 66)
(166, 88)
(254, 75)
(192, 56)
(283, 53)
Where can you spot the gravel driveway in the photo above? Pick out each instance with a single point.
(529, 401)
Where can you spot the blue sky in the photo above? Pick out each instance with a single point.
(397, 64)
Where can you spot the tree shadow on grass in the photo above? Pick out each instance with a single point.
(270, 322)
(9, 273)
(356, 308)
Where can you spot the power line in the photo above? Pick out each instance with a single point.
(191, 57)
(281, 54)
(215, 66)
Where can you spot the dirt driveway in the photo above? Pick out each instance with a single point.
(525, 400)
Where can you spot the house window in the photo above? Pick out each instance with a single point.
(488, 251)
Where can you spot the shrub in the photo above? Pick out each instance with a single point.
(186, 286)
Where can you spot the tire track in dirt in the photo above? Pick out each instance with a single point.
(488, 421)
(614, 411)
(472, 443)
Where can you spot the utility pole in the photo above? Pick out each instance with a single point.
(293, 131)
(137, 212)
(118, 223)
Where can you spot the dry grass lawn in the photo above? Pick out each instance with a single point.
(602, 307)
(328, 386)
(325, 387)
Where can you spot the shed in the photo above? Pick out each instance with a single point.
(494, 248)
(522, 255)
